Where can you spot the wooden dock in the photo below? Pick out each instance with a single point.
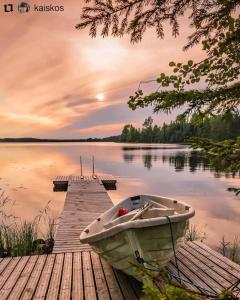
(76, 276)
(85, 200)
(84, 276)
(74, 271)
(60, 183)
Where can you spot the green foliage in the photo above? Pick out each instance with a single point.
(202, 102)
(169, 292)
(17, 239)
(224, 156)
(158, 286)
(220, 70)
(151, 292)
(216, 128)
(134, 17)
(226, 295)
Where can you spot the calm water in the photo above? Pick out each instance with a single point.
(27, 171)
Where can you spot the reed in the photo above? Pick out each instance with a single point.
(194, 233)
(20, 238)
(230, 249)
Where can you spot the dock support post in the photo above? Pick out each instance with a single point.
(93, 168)
(81, 166)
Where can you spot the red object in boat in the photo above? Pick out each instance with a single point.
(122, 211)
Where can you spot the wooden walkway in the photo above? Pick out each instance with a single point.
(65, 276)
(84, 276)
(85, 200)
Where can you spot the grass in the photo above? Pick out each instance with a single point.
(230, 249)
(19, 238)
(193, 233)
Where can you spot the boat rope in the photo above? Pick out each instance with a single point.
(178, 277)
(173, 246)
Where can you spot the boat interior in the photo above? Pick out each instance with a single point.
(143, 207)
(137, 207)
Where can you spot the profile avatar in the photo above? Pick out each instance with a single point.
(23, 7)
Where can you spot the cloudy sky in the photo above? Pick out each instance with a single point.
(52, 74)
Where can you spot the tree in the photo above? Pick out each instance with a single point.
(216, 25)
(212, 20)
(217, 128)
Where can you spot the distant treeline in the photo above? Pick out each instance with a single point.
(216, 128)
(33, 140)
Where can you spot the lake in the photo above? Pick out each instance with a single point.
(27, 171)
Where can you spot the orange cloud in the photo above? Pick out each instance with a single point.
(51, 73)
(107, 128)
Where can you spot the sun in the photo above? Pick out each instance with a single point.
(100, 97)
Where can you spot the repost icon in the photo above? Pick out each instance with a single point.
(8, 7)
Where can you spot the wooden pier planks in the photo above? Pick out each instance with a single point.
(75, 276)
(208, 269)
(83, 275)
(85, 200)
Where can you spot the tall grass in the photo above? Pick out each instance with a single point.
(193, 233)
(230, 249)
(19, 238)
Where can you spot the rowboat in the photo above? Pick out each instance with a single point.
(143, 227)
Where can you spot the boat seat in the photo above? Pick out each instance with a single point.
(149, 214)
(158, 212)
(119, 220)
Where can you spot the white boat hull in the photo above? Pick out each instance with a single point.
(153, 243)
(152, 235)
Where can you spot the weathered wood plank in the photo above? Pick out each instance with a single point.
(55, 281)
(12, 279)
(66, 284)
(4, 263)
(8, 271)
(125, 285)
(199, 255)
(88, 279)
(102, 288)
(34, 279)
(111, 280)
(77, 287)
(224, 261)
(191, 274)
(42, 286)
(210, 277)
(184, 280)
(22, 281)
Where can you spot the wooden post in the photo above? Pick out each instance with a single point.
(81, 166)
(94, 169)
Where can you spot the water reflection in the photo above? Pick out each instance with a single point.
(192, 161)
(27, 171)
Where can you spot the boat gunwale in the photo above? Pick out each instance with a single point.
(85, 237)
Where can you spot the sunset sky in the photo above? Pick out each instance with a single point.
(57, 82)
